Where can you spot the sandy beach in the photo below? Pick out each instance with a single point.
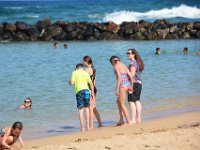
(32, 67)
(175, 132)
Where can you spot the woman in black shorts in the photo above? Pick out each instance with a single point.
(136, 67)
(89, 67)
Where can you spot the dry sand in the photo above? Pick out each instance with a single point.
(173, 133)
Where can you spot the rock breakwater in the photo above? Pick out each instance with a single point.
(46, 30)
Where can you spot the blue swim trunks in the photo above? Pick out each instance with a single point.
(83, 99)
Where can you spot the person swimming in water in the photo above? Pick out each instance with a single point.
(55, 45)
(27, 104)
(157, 51)
(185, 50)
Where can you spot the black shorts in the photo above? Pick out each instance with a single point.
(95, 90)
(135, 96)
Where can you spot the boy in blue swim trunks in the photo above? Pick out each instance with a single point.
(81, 79)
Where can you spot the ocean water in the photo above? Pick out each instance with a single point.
(99, 10)
(171, 82)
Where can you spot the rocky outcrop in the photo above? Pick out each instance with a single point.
(46, 30)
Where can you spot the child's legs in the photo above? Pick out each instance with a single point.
(133, 111)
(81, 118)
(10, 140)
(87, 117)
(80, 106)
(88, 109)
(122, 97)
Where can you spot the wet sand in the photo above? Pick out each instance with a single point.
(175, 132)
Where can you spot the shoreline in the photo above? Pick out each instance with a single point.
(156, 125)
(147, 116)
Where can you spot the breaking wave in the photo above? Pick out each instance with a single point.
(165, 13)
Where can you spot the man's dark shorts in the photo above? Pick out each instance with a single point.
(135, 96)
(83, 99)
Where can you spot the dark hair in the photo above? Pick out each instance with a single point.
(185, 48)
(79, 66)
(28, 98)
(112, 59)
(138, 59)
(88, 59)
(17, 125)
(157, 48)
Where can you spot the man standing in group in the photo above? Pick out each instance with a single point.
(83, 84)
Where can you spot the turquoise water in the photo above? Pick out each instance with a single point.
(36, 70)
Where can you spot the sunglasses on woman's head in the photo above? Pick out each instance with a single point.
(27, 102)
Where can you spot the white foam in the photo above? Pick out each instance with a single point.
(180, 11)
(93, 16)
(33, 16)
(17, 8)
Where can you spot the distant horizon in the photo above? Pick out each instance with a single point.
(36, 0)
(49, 0)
